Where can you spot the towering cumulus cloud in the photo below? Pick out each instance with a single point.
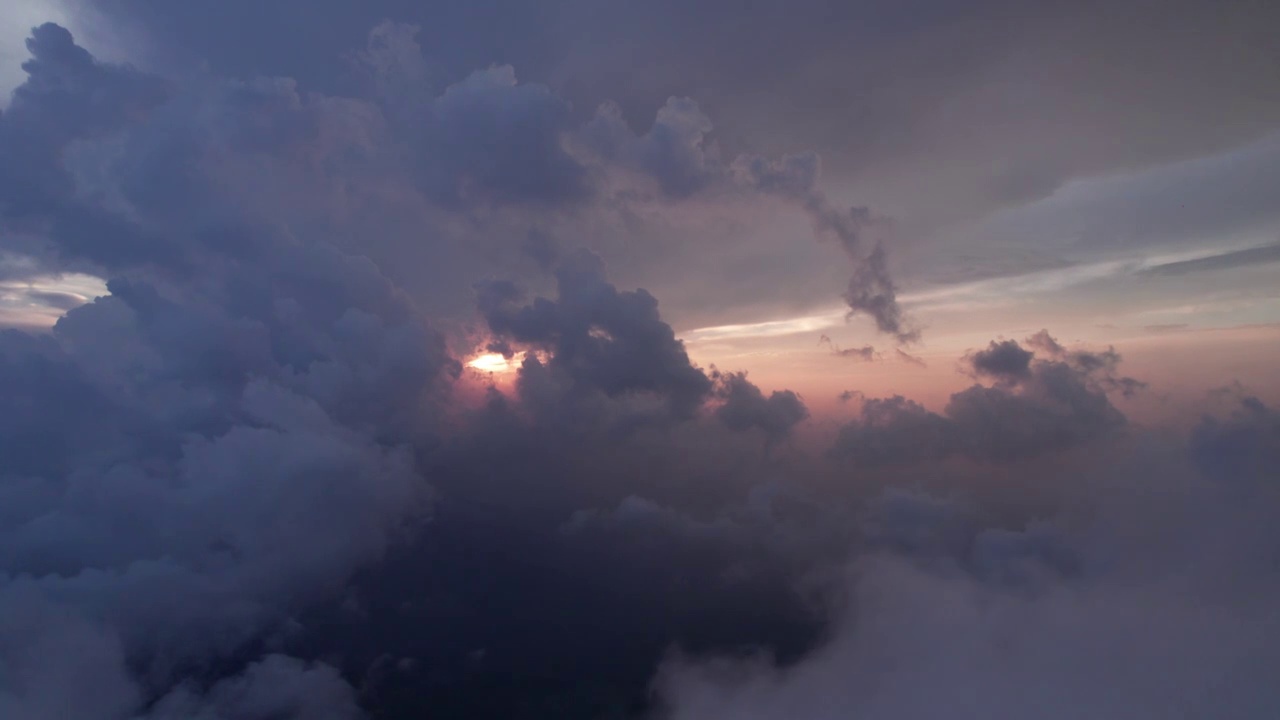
(262, 476)
(217, 441)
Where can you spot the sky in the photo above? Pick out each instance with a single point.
(608, 359)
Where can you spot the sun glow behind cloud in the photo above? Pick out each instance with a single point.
(38, 302)
(495, 362)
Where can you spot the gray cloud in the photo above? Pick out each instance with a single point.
(1036, 406)
(865, 353)
(871, 290)
(1023, 104)
(492, 138)
(1004, 360)
(808, 75)
(745, 406)
(274, 687)
(910, 359)
(253, 417)
(955, 606)
(1223, 261)
(598, 341)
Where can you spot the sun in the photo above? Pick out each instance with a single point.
(492, 363)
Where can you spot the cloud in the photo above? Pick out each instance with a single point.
(1243, 446)
(865, 353)
(599, 341)
(975, 604)
(490, 137)
(67, 97)
(817, 80)
(871, 290)
(486, 148)
(983, 651)
(187, 459)
(250, 480)
(1101, 366)
(1222, 261)
(745, 406)
(674, 151)
(1005, 361)
(274, 687)
(1036, 406)
(909, 359)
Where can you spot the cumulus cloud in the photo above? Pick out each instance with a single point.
(599, 342)
(1244, 445)
(745, 406)
(188, 458)
(675, 151)
(494, 138)
(1036, 406)
(1004, 361)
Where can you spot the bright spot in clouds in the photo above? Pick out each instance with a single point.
(492, 363)
(39, 301)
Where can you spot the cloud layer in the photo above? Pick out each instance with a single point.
(256, 480)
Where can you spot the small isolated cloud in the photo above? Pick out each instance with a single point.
(910, 359)
(866, 353)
